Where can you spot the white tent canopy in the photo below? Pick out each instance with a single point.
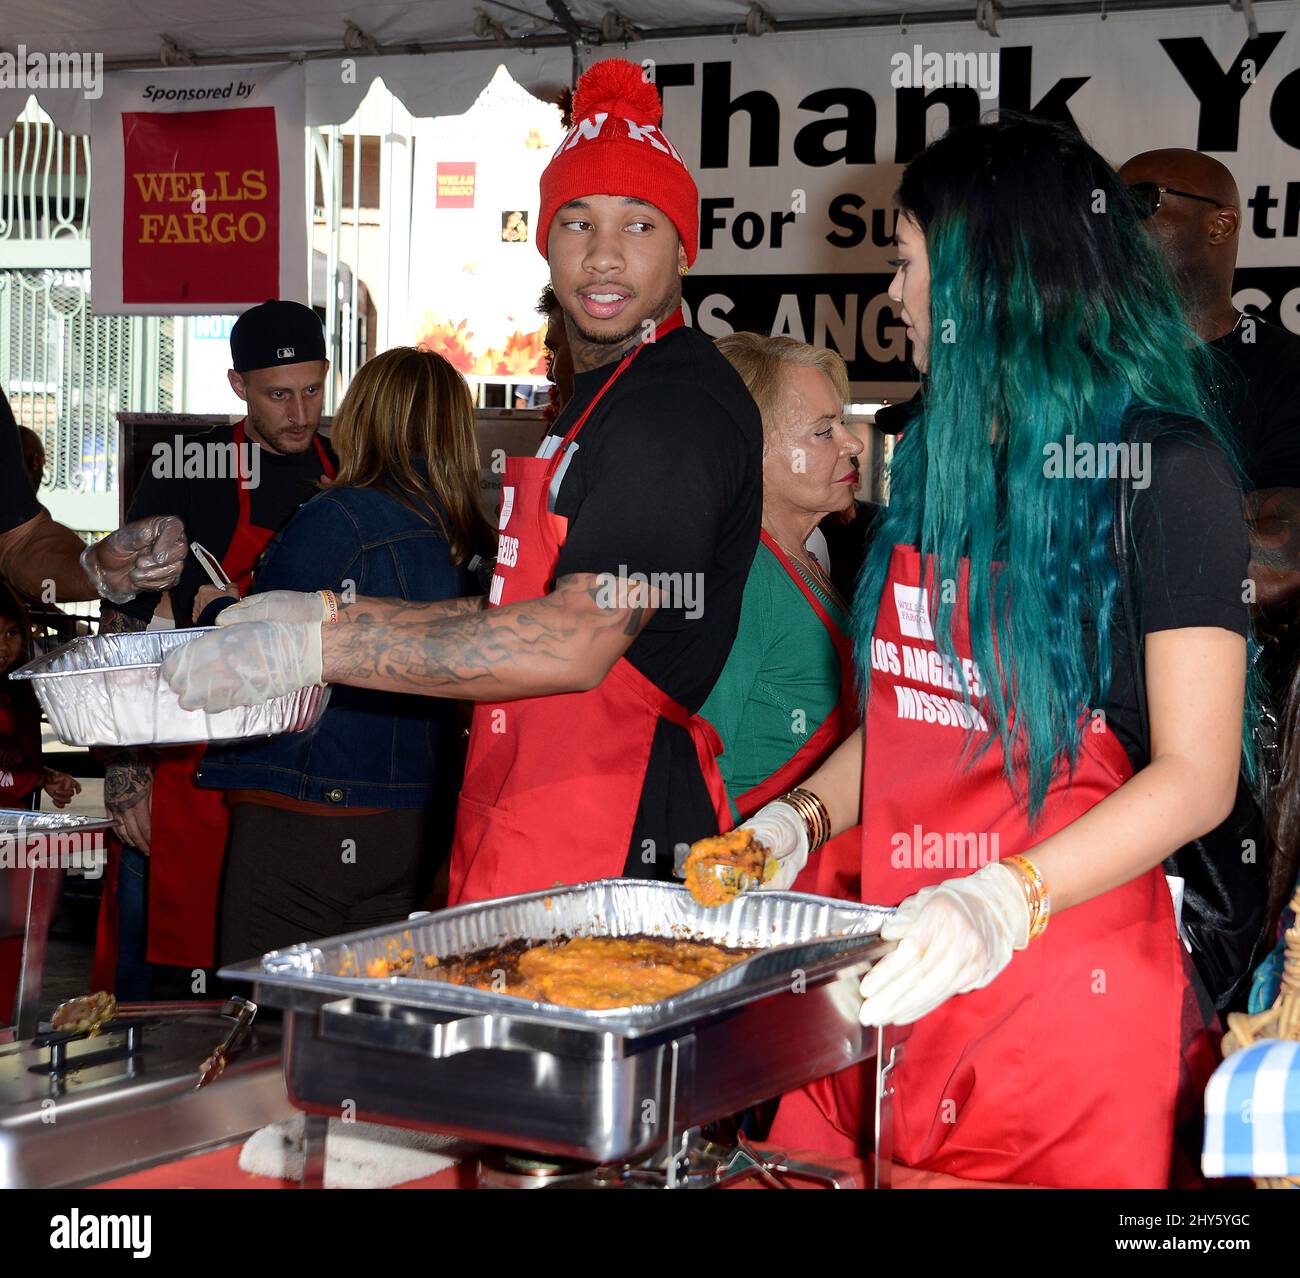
(411, 45)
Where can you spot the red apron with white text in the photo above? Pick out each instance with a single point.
(833, 869)
(553, 784)
(189, 824)
(1064, 1070)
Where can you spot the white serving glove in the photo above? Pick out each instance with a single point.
(244, 665)
(146, 554)
(276, 605)
(952, 938)
(780, 829)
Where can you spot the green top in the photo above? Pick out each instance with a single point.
(781, 680)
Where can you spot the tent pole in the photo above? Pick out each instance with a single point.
(1072, 8)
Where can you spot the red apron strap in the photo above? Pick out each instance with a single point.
(103, 971)
(704, 736)
(838, 637)
(240, 438)
(326, 465)
(837, 723)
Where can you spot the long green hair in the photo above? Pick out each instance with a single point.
(1053, 322)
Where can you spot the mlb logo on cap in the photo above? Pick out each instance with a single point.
(284, 352)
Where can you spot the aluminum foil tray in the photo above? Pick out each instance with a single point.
(22, 821)
(107, 690)
(795, 930)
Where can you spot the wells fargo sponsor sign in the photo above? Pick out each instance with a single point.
(455, 185)
(207, 175)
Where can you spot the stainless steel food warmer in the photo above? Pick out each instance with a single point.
(603, 1086)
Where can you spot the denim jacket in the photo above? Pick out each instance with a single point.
(370, 749)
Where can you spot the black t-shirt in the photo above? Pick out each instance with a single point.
(847, 541)
(18, 501)
(1260, 396)
(666, 478)
(1187, 558)
(278, 485)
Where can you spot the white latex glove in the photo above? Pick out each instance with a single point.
(244, 665)
(780, 829)
(276, 605)
(952, 938)
(146, 554)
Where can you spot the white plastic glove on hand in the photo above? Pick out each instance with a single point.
(146, 554)
(276, 605)
(952, 938)
(244, 665)
(780, 829)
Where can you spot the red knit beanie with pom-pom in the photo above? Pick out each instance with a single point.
(616, 148)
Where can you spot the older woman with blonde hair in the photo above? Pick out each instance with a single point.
(343, 827)
(785, 698)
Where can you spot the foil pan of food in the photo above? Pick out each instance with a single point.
(594, 1021)
(108, 690)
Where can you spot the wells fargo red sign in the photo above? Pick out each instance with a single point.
(201, 206)
(455, 185)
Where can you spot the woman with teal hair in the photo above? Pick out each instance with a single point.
(1001, 775)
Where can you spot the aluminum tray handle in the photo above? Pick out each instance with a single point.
(348, 1021)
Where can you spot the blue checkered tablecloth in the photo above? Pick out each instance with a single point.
(1252, 1113)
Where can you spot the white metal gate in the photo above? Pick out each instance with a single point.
(65, 371)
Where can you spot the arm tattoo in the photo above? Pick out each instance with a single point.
(561, 642)
(403, 611)
(126, 782)
(112, 621)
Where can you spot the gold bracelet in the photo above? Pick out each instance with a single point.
(816, 819)
(794, 801)
(331, 605)
(1037, 895)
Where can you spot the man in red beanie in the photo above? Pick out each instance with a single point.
(624, 548)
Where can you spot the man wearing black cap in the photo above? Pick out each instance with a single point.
(235, 487)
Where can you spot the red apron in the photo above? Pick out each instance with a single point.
(1064, 1070)
(188, 823)
(552, 784)
(833, 869)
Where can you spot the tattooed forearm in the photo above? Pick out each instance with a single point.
(563, 642)
(405, 611)
(1274, 518)
(113, 622)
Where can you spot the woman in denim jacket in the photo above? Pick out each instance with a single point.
(344, 826)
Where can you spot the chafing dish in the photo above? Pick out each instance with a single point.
(77, 1109)
(603, 1086)
(108, 690)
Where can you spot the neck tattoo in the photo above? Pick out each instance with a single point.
(589, 355)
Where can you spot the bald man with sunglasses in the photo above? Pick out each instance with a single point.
(1191, 206)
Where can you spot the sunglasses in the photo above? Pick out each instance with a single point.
(1147, 197)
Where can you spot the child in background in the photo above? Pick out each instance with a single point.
(22, 769)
